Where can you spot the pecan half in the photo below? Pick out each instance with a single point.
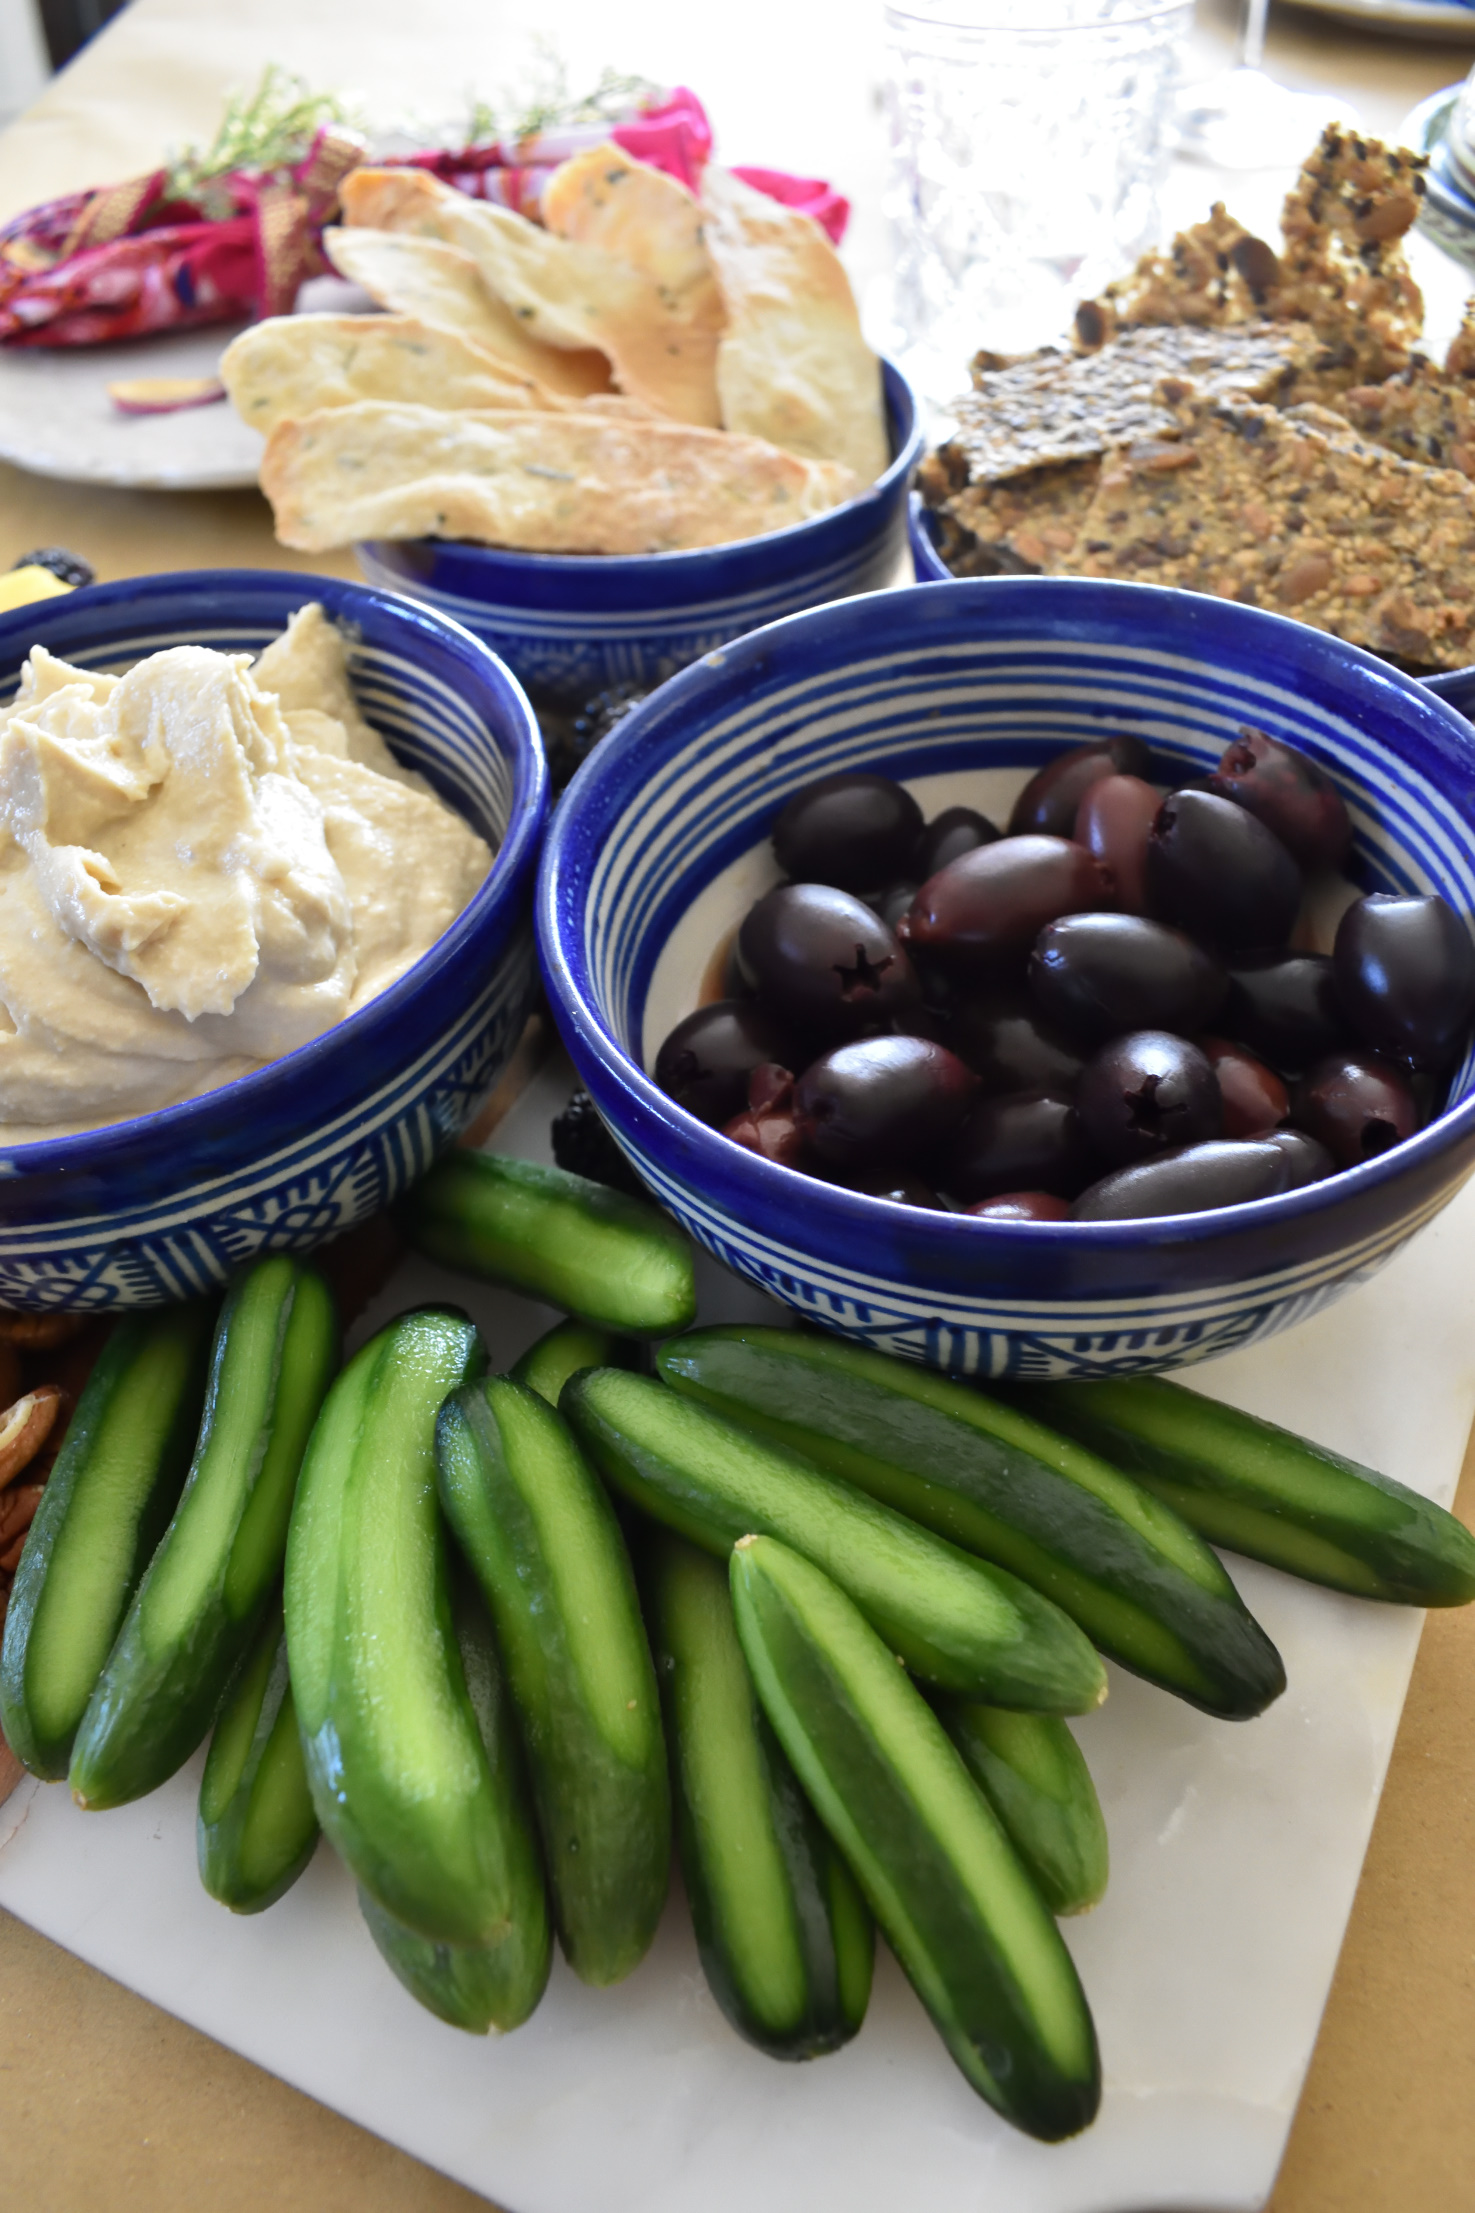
(24, 1429)
(41, 1332)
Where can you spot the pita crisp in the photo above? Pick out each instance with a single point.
(437, 284)
(296, 364)
(561, 291)
(792, 366)
(603, 198)
(574, 482)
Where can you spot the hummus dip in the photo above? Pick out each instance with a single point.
(203, 864)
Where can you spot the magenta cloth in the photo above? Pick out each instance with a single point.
(810, 195)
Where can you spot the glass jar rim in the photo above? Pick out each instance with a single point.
(1007, 15)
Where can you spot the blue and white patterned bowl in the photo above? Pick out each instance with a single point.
(926, 560)
(570, 625)
(963, 690)
(170, 1203)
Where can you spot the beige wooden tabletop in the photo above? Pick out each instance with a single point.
(107, 2103)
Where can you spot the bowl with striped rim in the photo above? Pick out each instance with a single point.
(570, 625)
(171, 1203)
(962, 691)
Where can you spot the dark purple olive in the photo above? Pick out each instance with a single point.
(824, 965)
(1216, 871)
(1096, 975)
(1357, 1106)
(948, 836)
(1047, 805)
(982, 914)
(1405, 970)
(882, 1102)
(852, 830)
(1310, 1162)
(1223, 1172)
(1146, 1093)
(1008, 1043)
(1289, 794)
(1286, 1009)
(892, 903)
(705, 1063)
(1022, 1206)
(1025, 1141)
(1255, 1099)
(1113, 821)
(771, 1130)
(902, 1186)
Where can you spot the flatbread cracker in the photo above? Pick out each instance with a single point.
(439, 284)
(603, 198)
(296, 364)
(565, 293)
(792, 366)
(574, 482)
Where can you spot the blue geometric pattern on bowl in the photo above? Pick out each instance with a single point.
(1000, 672)
(1446, 212)
(569, 625)
(171, 1203)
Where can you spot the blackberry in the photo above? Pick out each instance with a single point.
(70, 568)
(571, 738)
(583, 1146)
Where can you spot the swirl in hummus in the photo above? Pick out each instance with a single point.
(203, 864)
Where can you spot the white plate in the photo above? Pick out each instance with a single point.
(56, 417)
(1235, 1855)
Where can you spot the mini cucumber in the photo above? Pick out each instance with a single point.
(1030, 1769)
(972, 1933)
(540, 1536)
(203, 1593)
(398, 1771)
(595, 1252)
(256, 1829)
(480, 1986)
(1146, 1590)
(960, 1623)
(546, 1366)
(783, 1932)
(116, 1481)
(1265, 1492)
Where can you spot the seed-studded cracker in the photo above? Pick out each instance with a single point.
(1423, 413)
(1056, 406)
(1298, 514)
(1214, 275)
(1017, 528)
(1342, 266)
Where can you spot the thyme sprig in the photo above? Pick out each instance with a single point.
(547, 104)
(270, 128)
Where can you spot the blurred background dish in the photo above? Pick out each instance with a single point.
(171, 1203)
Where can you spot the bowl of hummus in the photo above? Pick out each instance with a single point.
(265, 855)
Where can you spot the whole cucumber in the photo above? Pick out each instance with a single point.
(203, 1594)
(1263, 1491)
(256, 1829)
(116, 1481)
(540, 1536)
(1030, 1769)
(398, 1770)
(595, 1252)
(962, 1624)
(1145, 1588)
(784, 1935)
(478, 1987)
(547, 1365)
(972, 1933)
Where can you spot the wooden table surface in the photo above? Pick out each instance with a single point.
(107, 2102)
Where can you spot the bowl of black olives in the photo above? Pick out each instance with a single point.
(1033, 976)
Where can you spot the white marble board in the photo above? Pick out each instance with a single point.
(1235, 1855)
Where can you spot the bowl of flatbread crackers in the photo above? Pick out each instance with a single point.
(606, 441)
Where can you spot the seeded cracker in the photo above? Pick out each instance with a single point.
(1214, 275)
(1293, 512)
(1424, 413)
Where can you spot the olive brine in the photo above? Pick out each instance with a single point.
(1104, 1012)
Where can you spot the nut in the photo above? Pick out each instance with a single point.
(41, 1332)
(24, 1429)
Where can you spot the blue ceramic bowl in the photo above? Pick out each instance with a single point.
(570, 625)
(963, 690)
(170, 1203)
(926, 560)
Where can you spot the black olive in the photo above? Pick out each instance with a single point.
(852, 830)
